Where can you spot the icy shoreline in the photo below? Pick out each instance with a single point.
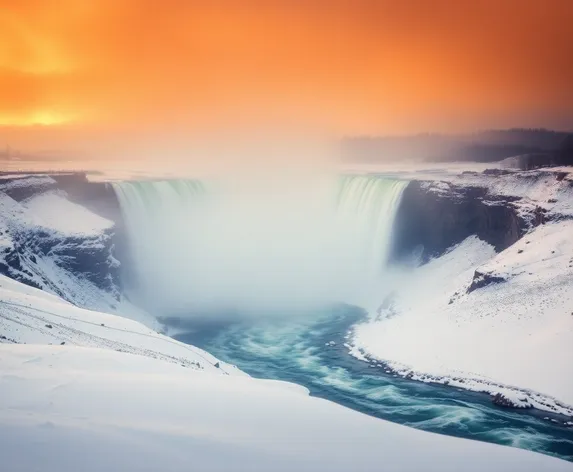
(485, 322)
(500, 323)
(507, 396)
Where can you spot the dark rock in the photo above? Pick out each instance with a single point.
(22, 187)
(98, 197)
(538, 217)
(89, 257)
(217, 365)
(92, 257)
(500, 399)
(49, 326)
(62, 343)
(519, 251)
(433, 219)
(552, 200)
(496, 172)
(483, 279)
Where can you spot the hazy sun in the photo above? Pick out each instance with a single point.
(38, 117)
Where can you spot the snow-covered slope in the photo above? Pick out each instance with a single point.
(49, 242)
(67, 408)
(484, 321)
(31, 316)
(86, 390)
(55, 212)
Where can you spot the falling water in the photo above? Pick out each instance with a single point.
(280, 242)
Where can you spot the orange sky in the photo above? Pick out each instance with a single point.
(345, 66)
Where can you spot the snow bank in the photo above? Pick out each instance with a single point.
(31, 316)
(551, 189)
(56, 212)
(14, 216)
(67, 409)
(517, 332)
(13, 181)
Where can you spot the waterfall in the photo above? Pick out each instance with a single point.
(368, 204)
(277, 241)
(149, 209)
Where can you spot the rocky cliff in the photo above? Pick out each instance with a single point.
(50, 242)
(436, 215)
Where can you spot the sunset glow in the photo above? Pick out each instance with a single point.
(348, 67)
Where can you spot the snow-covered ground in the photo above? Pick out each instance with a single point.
(117, 396)
(513, 333)
(45, 234)
(32, 316)
(550, 189)
(87, 390)
(67, 408)
(57, 213)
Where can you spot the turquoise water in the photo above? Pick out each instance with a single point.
(309, 350)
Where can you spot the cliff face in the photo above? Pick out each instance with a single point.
(97, 197)
(35, 256)
(49, 242)
(434, 216)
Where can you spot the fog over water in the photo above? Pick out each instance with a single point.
(255, 243)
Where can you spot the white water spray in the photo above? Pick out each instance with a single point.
(257, 244)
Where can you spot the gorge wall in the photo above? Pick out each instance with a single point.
(434, 216)
(49, 242)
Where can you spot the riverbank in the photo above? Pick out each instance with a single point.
(311, 350)
(478, 320)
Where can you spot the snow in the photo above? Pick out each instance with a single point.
(549, 188)
(514, 337)
(65, 229)
(540, 187)
(32, 316)
(88, 390)
(13, 181)
(56, 212)
(52, 212)
(14, 215)
(6, 243)
(67, 408)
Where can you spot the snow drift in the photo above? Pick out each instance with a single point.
(65, 409)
